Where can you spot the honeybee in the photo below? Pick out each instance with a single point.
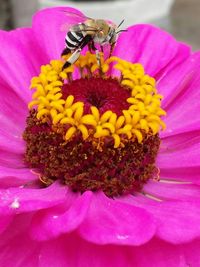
(88, 31)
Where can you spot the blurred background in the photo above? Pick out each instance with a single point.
(180, 17)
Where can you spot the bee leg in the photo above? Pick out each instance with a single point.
(102, 48)
(72, 59)
(111, 49)
(90, 47)
(65, 51)
(76, 54)
(98, 58)
(66, 65)
(86, 41)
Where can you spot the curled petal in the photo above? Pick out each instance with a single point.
(111, 222)
(52, 223)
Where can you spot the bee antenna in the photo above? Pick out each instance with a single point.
(121, 31)
(120, 23)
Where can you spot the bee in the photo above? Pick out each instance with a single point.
(88, 31)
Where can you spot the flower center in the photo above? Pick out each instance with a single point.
(104, 94)
(97, 132)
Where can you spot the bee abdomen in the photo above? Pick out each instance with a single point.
(73, 39)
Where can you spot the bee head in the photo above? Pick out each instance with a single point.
(114, 31)
(112, 35)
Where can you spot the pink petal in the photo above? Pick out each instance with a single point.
(71, 250)
(177, 158)
(12, 117)
(176, 80)
(191, 251)
(148, 45)
(183, 102)
(180, 140)
(182, 223)
(17, 200)
(110, 222)
(56, 253)
(183, 53)
(187, 174)
(16, 248)
(158, 253)
(52, 223)
(13, 160)
(16, 68)
(4, 222)
(33, 50)
(176, 221)
(182, 168)
(11, 142)
(168, 190)
(11, 177)
(52, 38)
(185, 156)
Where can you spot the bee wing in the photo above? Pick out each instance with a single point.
(65, 27)
(74, 17)
(75, 28)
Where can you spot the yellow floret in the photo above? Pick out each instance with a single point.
(142, 117)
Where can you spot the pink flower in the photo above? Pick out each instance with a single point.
(53, 226)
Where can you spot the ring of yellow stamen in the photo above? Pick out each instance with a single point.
(142, 117)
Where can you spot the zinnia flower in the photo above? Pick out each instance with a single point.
(88, 177)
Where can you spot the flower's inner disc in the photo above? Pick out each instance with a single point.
(96, 132)
(104, 94)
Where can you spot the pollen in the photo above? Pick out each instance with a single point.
(70, 115)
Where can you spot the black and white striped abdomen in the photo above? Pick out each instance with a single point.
(73, 39)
